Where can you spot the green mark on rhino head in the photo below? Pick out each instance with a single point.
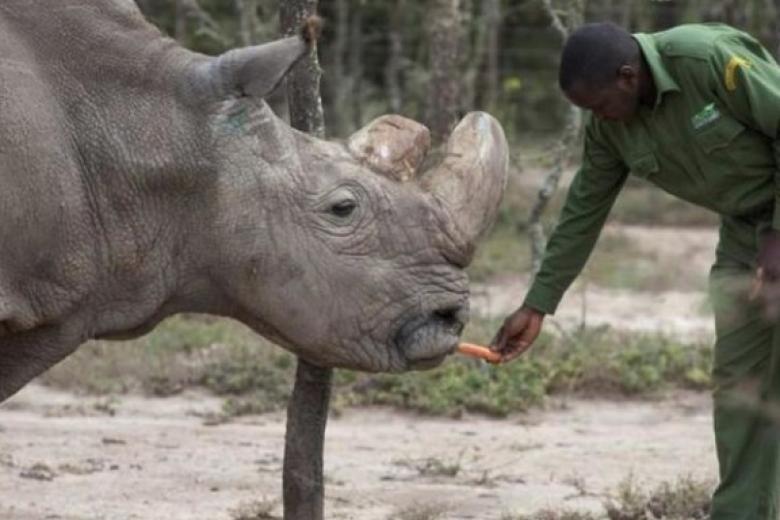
(236, 120)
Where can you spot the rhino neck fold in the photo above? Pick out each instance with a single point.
(149, 175)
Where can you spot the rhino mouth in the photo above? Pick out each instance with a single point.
(425, 341)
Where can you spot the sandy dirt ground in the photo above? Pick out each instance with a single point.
(75, 458)
(62, 457)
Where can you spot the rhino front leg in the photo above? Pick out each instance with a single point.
(27, 354)
(307, 416)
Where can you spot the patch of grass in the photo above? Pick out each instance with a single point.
(685, 499)
(549, 514)
(251, 383)
(255, 376)
(256, 510)
(183, 351)
(419, 511)
(433, 466)
(593, 362)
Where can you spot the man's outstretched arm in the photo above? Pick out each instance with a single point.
(591, 196)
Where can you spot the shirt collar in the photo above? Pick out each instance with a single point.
(663, 81)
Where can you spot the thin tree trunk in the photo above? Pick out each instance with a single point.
(573, 18)
(307, 413)
(626, 14)
(307, 417)
(356, 65)
(477, 53)
(393, 68)
(493, 22)
(339, 83)
(180, 27)
(303, 82)
(444, 38)
(247, 18)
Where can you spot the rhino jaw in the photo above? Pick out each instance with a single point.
(424, 341)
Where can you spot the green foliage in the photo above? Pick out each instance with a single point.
(686, 499)
(432, 466)
(459, 385)
(253, 384)
(255, 377)
(593, 362)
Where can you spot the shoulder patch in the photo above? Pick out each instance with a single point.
(730, 74)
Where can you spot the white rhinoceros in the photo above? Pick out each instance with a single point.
(139, 179)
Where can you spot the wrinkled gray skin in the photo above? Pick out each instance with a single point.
(139, 179)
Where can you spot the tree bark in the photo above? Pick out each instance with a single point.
(180, 24)
(307, 417)
(493, 22)
(477, 52)
(394, 66)
(573, 18)
(340, 84)
(356, 65)
(307, 413)
(444, 37)
(303, 82)
(247, 18)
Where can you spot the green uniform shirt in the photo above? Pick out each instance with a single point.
(711, 139)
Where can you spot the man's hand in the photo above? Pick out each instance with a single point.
(767, 283)
(769, 255)
(518, 333)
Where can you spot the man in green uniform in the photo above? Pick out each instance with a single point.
(694, 110)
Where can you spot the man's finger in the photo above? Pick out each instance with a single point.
(519, 348)
(499, 340)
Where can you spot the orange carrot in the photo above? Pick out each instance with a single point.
(479, 352)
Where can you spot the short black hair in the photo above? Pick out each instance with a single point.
(594, 53)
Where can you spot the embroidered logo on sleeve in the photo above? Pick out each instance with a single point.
(730, 75)
(705, 116)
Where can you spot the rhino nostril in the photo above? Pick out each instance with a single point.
(454, 316)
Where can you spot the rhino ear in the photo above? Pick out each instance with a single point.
(255, 71)
(249, 71)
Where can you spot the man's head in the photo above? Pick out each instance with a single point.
(601, 70)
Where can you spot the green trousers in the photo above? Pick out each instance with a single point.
(746, 377)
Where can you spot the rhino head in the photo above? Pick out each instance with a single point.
(349, 254)
(149, 180)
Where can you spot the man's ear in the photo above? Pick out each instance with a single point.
(628, 78)
(250, 71)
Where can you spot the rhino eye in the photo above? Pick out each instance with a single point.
(343, 209)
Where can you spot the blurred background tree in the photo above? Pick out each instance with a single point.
(432, 60)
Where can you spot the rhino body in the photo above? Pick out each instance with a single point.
(139, 179)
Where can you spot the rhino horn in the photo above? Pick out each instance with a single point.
(392, 146)
(470, 180)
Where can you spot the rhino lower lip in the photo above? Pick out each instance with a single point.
(425, 341)
(430, 362)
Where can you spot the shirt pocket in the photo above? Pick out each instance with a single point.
(719, 134)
